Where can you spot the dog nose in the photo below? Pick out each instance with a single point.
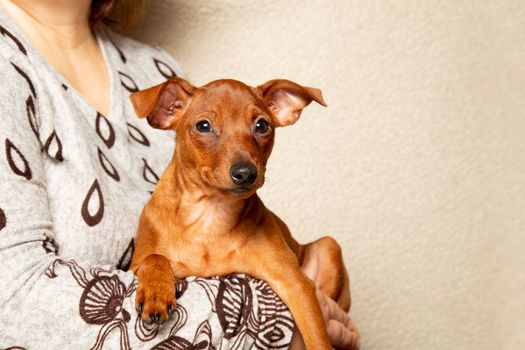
(243, 174)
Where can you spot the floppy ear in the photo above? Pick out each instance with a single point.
(287, 99)
(162, 104)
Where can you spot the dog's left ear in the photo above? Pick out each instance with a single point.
(163, 103)
(287, 99)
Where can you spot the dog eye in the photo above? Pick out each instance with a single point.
(203, 126)
(261, 126)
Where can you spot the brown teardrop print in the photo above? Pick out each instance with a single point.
(121, 54)
(11, 152)
(26, 77)
(30, 109)
(107, 166)
(3, 220)
(166, 71)
(128, 82)
(53, 147)
(105, 130)
(93, 220)
(137, 135)
(148, 174)
(17, 42)
(125, 259)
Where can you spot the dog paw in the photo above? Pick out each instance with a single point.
(155, 301)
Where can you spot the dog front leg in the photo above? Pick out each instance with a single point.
(297, 291)
(155, 298)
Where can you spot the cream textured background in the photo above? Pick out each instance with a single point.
(418, 164)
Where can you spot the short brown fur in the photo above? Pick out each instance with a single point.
(200, 222)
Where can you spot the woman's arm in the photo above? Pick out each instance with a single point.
(48, 301)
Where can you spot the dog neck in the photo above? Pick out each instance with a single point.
(196, 208)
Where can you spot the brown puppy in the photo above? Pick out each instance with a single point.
(205, 219)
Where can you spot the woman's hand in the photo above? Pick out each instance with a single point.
(342, 331)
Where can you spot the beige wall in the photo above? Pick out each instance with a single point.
(418, 164)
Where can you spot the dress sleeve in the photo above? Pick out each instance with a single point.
(50, 302)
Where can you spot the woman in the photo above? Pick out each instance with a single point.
(77, 169)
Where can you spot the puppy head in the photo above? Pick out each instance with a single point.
(225, 129)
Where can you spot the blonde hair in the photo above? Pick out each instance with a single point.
(118, 14)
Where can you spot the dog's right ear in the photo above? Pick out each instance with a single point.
(163, 104)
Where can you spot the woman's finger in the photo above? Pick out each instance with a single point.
(335, 312)
(342, 337)
(351, 326)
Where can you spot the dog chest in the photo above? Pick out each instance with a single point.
(203, 259)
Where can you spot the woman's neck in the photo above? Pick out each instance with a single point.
(63, 23)
(60, 31)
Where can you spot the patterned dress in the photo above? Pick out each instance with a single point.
(72, 185)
